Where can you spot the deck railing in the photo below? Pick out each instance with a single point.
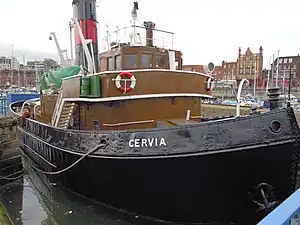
(3, 105)
(287, 213)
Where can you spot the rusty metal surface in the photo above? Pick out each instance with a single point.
(214, 162)
(211, 136)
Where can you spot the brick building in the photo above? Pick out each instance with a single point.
(286, 65)
(226, 71)
(21, 78)
(250, 66)
(25, 75)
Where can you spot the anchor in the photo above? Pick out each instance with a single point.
(265, 197)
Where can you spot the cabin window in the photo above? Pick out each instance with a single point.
(118, 62)
(131, 61)
(160, 62)
(146, 61)
(103, 64)
(110, 63)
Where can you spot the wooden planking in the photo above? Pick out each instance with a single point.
(159, 82)
(137, 110)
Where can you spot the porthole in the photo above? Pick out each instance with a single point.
(275, 126)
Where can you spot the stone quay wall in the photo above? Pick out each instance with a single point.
(9, 145)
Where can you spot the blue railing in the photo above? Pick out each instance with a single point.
(6, 99)
(3, 105)
(287, 213)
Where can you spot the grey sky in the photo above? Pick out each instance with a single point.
(205, 30)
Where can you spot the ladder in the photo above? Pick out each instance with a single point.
(64, 114)
(57, 105)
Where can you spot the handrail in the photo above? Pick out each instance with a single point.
(285, 213)
(238, 96)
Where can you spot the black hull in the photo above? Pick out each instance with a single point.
(213, 182)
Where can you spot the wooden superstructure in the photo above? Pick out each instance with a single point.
(160, 97)
(139, 86)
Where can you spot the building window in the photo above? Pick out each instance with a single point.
(280, 61)
(290, 60)
(131, 61)
(160, 62)
(146, 61)
(110, 64)
(285, 60)
(118, 62)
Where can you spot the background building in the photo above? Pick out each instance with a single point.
(286, 65)
(14, 74)
(9, 63)
(250, 66)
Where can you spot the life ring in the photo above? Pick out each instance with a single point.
(208, 85)
(125, 75)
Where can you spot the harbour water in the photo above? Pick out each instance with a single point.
(31, 200)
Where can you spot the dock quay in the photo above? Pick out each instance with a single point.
(9, 145)
(9, 151)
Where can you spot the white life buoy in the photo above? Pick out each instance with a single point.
(208, 85)
(128, 77)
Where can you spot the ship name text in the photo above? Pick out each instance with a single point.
(147, 142)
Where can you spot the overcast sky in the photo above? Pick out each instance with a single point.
(205, 30)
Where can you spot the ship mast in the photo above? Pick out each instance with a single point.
(134, 17)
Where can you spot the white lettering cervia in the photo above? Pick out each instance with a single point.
(147, 142)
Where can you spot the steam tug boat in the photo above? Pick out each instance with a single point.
(129, 134)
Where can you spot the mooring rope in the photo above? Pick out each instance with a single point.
(8, 177)
(69, 167)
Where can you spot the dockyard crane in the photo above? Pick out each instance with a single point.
(63, 60)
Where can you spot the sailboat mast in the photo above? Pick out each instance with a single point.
(277, 70)
(272, 71)
(85, 12)
(11, 67)
(268, 76)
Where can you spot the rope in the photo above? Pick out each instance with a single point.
(8, 177)
(69, 167)
(5, 142)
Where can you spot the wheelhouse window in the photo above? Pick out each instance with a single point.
(160, 62)
(110, 63)
(146, 61)
(131, 61)
(103, 64)
(118, 62)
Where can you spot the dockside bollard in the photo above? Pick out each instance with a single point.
(273, 94)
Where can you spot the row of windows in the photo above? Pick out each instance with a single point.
(286, 60)
(131, 62)
(228, 66)
(247, 71)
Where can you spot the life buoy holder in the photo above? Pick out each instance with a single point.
(208, 84)
(128, 77)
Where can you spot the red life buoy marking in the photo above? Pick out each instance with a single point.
(128, 77)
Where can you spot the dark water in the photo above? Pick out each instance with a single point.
(30, 200)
